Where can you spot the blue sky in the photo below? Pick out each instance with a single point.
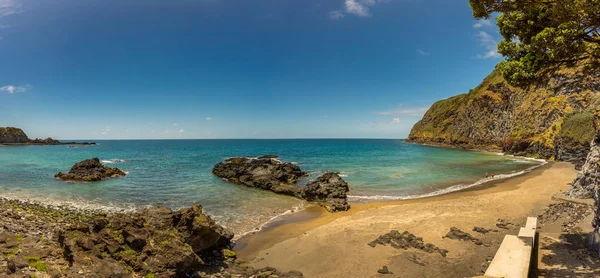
(112, 69)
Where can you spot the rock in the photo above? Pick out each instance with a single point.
(90, 170)
(456, 233)
(12, 135)
(406, 240)
(328, 190)
(384, 270)
(504, 224)
(584, 184)
(501, 117)
(16, 136)
(259, 173)
(483, 230)
(154, 242)
(11, 267)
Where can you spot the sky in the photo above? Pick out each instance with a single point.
(187, 69)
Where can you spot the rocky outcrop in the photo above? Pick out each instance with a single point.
(329, 190)
(264, 173)
(498, 116)
(268, 173)
(154, 242)
(12, 135)
(572, 143)
(406, 240)
(16, 136)
(90, 170)
(586, 182)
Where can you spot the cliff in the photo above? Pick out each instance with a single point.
(551, 120)
(12, 135)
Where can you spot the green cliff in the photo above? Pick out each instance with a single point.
(550, 120)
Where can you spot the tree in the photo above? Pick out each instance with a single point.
(540, 36)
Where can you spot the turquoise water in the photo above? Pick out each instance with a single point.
(177, 173)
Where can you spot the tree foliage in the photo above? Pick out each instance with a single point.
(540, 36)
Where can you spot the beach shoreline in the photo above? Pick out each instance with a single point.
(307, 240)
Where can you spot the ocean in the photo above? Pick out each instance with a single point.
(177, 173)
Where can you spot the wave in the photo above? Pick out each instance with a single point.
(113, 161)
(294, 209)
(73, 205)
(450, 189)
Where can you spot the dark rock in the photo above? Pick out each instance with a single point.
(16, 136)
(483, 230)
(456, 233)
(12, 135)
(504, 224)
(406, 240)
(329, 190)
(11, 267)
(90, 170)
(259, 173)
(384, 270)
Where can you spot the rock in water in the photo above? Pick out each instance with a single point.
(264, 173)
(268, 173)
(330, 190)
(90, 170)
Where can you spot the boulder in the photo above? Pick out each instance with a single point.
(263, 173)
(90, 170)
(329, 190)
(268, 173)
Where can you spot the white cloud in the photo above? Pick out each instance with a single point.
(181, 131)
(482, 23)
(209, 118)
(490, 44)
(15, 89)
(175, 124)
(396, 121)
(8, 7)
(405, 111)
(359, 8)
(336, 15)
(422, 52)
(105, 130)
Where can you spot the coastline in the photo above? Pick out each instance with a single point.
(307, 240)
(310, 212)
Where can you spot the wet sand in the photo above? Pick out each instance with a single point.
(320, 244)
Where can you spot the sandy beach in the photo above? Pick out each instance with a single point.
(336, 245)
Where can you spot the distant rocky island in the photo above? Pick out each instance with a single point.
(16, 136)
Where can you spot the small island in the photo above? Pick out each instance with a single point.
(16, 137)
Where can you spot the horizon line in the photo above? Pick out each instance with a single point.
(315, 138)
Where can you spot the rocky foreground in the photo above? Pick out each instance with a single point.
(268, 173)
(36, 241)
(90, 170)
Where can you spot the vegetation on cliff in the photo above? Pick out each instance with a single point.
(530, 121)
